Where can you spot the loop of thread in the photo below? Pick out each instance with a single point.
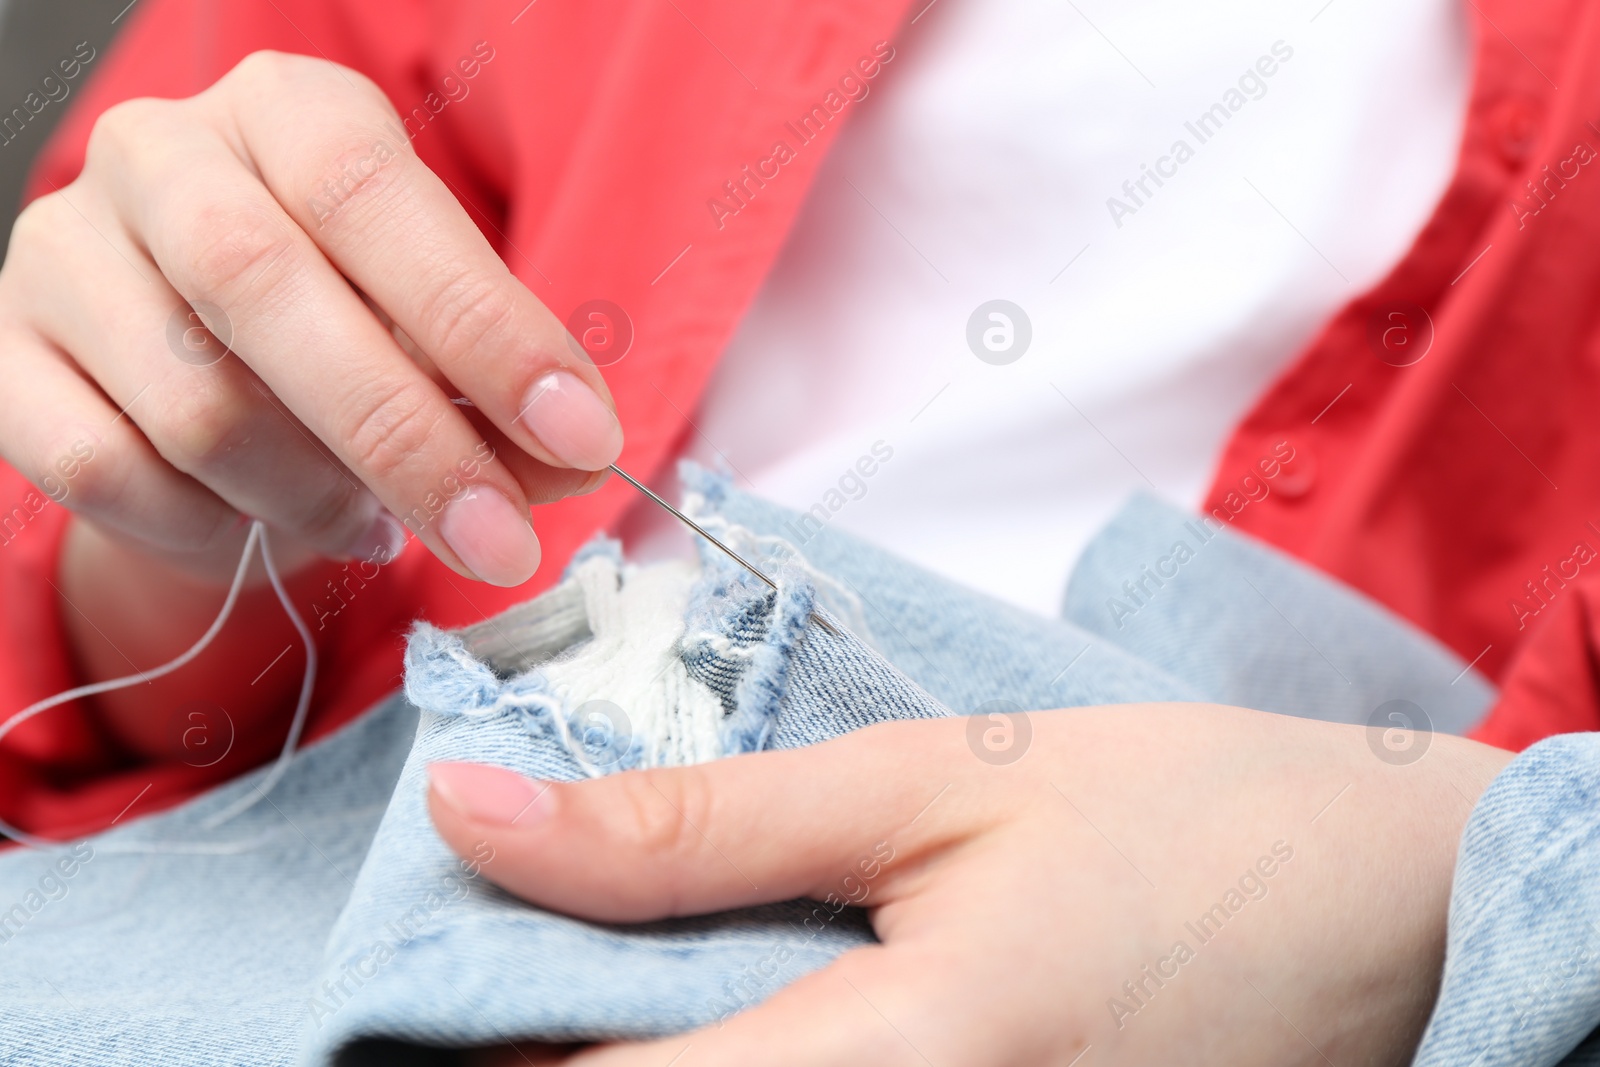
(258, 536)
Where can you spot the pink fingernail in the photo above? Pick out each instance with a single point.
(491, 535)
(382, 542)
(488, 794)
(593, 483)
(572, 421)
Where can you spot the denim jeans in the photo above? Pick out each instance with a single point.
(1522, 965)
(330, 917)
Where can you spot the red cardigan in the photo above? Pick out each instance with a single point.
(602, 147)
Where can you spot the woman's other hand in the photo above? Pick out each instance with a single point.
(1145, 884)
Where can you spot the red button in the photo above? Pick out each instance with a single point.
(1514, 127)
(1297, 476)
(817, 58)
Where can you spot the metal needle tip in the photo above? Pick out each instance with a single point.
(701, 530)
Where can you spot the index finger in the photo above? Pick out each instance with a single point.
(393, 227)
(223, 239)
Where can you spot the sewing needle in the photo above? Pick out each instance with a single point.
(701, 530)
(695, 526)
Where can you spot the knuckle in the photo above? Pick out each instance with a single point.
(661, 811)
(355, 166)
(233, 250)
(327, 518)
(39, 225)
(122, 129)
(269, 67)
(107, 476)
(363, 85)
(202, 428)
(98, 485)
(466, 312)
(392, 428)
(99, 489)
(272, 71)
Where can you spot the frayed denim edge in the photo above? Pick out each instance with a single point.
(712, 485)
(444, 678)
(761, 687)
(759, 693)
(726, 612)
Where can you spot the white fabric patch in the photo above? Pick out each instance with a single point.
(632, 661)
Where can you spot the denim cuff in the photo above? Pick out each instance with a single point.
(1522, 962)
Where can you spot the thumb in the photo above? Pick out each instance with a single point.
(650, 844)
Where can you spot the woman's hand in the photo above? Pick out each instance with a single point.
(1146, 884)
(353, 298)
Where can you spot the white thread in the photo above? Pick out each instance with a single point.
(258, 536)
(632, 660)
(729, 648)
(302, 706)
(835, 595)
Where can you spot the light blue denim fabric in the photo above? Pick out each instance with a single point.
(1522, 966)
(348, 922)
(1244, 624)
(184, 958)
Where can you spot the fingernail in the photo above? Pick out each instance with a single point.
(382, 542)
(488, 794)
(593, 483)
(491, 535)
(572, 421)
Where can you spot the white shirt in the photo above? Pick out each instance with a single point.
(988, 162)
